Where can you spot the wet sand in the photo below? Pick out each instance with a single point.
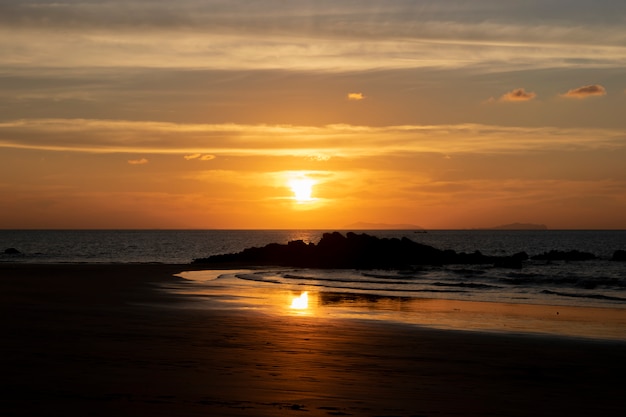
(105, 340)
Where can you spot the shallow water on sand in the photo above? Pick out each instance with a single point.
(236, 290)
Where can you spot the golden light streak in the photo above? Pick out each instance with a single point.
(340, 140)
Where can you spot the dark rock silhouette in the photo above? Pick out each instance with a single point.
(12, 251)
(619, 256)
(358, 251)
(556, 255)
(515, 261)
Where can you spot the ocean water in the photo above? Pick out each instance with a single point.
(136, 246)
(594, 283)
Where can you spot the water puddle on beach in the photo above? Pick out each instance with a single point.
(222, 289)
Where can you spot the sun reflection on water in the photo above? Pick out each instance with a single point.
(223, 288)
(301, 302)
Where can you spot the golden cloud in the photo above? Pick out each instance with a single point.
(355, 96)
(586, 91)
(141, 161)
(519, 94)
(199, 156)
(205, 141)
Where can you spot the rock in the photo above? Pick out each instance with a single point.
(12, 251)
(513, 262)
(556, 255)
(356, 251)
(619, 256)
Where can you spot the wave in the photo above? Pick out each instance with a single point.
(590, 296)
(543, 286)
(583, 282)
(360, 281)
(474, 285)
(348, 284)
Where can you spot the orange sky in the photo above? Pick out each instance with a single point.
(458, 115)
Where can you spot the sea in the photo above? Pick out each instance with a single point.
(592, 283)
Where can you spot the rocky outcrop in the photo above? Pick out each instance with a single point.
(12, 251)
(557, 255)
(619, 256)
(358, 251)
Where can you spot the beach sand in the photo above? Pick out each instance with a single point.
(106, 340)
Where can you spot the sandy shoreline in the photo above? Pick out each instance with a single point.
(103, 340)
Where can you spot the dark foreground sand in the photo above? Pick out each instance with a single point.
(101, 340)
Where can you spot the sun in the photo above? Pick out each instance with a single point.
(302, 189)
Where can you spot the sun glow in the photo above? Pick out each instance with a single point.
(301, 302)
(302, 189)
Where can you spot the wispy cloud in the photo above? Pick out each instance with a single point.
(199, 156)
(140, 161)
(355, 96)
(204, 141)
(585, 91)
(184, 49)
(325, 35)
(519, 94)
(453, 19)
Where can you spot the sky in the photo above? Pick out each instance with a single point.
(274, 114)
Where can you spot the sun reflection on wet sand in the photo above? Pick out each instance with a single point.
(301, 302)
(435, 313)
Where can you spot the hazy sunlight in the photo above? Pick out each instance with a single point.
(302, 189)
